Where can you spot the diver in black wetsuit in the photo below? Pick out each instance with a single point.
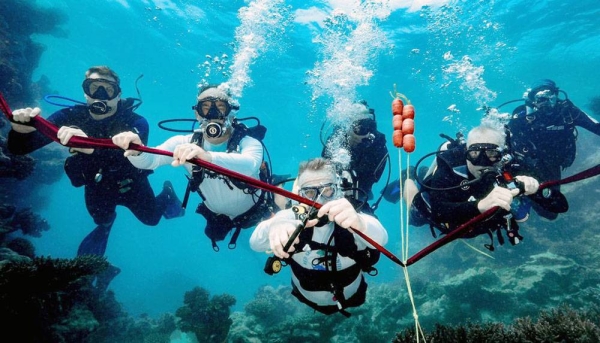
(367, 152)
(543, 138)
(107, 176)
(464, 184)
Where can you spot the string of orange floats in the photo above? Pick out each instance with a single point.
(403, 123)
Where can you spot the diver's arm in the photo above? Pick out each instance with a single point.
(247, 162)
(374, 230)
(583, 120)
(142, 129)
(272, 234)
(24, 143)
(153, 161)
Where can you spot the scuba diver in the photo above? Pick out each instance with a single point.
(543, 135)
(107, 177)
(221, 140)
(467, 180)
(327, 259)
(359, 152)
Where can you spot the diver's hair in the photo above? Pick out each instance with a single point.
(316, 164)
(209, 86)
(540, 85)
(103, 71)
(491, 132)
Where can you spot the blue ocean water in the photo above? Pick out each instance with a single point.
(295, 64)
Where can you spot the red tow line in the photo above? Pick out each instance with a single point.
(50, 130)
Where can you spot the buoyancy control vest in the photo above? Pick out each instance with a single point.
(327, 277)
(551, 137)
(454, 158)
(219, 225)
(106, 168)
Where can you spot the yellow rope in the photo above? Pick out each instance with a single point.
(404, 227)
(477, 250)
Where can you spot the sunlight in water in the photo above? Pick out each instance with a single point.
(262, 24)
(471, 80)
(350, 40)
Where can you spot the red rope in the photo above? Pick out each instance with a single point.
(50, 130)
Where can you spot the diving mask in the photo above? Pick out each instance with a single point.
(101, 89)
(326, 191)
(364, 127)
(213, 108)
(544, 98)
(484, 154)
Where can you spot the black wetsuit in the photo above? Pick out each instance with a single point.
(456, 206)
(367, 163)
(544, 142)
(109, 179)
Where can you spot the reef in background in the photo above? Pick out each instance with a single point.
(562, 324)
(22, 176)
(56, 300)
(19, 54)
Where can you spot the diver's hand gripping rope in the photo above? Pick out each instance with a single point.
(274, 263)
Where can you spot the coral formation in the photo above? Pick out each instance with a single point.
(56, 302)
(208, 318)
(42, 292)
(22, 247)
(562, 324)
(19, 54)
(29, 223)
(13, 166)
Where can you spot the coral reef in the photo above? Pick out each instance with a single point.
(44, 166)
(56, 302)
(22, 247)
(208, 318)
(29, 223)
(42, 292)
(276, 316)
(19, 54)
(562, 324)
(13, 166)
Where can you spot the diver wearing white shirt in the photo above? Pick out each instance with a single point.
(327, 260)
(227, 203)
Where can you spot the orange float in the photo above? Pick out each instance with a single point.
(397, 122)
(397, 138)
(408, 126)
(403, 122)
(409, 143)
(397, 107)
(408, 112)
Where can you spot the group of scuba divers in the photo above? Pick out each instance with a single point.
(323, 244)
(500, 166)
